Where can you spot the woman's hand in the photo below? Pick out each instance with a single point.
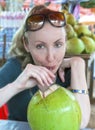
(34, 75)
(75, 63)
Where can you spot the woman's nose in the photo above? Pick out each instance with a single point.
(50, 55)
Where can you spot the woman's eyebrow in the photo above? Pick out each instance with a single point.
(57, 40)
(40, 41)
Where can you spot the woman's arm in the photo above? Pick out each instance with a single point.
(32, 75)
(78, 81)
(6, 93)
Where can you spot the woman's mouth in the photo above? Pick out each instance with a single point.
(51, 68)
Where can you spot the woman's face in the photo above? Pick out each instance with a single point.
(47, 46)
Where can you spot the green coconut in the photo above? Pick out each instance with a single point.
(75, 46)
(89, 44)
(70, 31)
(82, 30)
(58, 110)
(70, 19)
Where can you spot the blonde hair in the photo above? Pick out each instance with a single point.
(17, 48)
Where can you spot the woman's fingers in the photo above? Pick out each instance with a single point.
(37, 77)
(65, 64)
(47, 76)
(49, 73)
(42, 75)
(42, 88)
(61, 74)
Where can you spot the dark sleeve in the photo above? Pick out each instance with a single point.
(67, 79)
(9, 71)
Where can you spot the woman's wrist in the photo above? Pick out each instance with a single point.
(78, 78)
(80, 91)
(15, 88)
(7, 92)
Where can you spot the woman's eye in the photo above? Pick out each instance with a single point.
(40, 46)
(58, 45)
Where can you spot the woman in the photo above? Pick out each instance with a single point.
(37, 61)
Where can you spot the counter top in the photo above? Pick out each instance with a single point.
(18, 125)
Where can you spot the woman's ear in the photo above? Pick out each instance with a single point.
(25, 42)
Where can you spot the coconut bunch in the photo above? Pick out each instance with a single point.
(80, 38)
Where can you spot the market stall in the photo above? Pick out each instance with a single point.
(14, 19)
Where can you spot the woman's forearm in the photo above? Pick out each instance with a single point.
(7, 93)
(78, 81)
(85, 108)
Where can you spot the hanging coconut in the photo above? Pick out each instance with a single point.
(57, 109)
(88, 4)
